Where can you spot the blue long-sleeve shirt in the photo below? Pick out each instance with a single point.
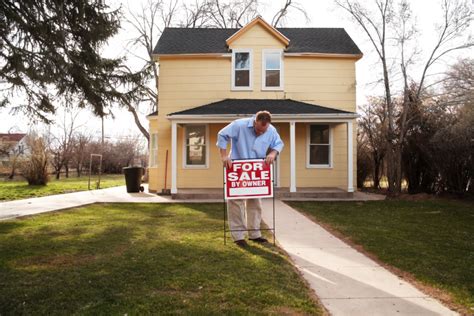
(245, 143)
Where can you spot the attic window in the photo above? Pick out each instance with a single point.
(241, 70)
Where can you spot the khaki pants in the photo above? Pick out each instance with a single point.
(238, 211)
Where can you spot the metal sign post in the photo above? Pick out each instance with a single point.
(238, 186)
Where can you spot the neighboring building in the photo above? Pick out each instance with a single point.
(208, 77)
(12, 146)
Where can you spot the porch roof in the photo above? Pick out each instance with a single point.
(287, 108)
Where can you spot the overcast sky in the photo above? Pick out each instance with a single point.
(322, 13)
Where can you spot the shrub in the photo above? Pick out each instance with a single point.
(364, 163)
(35, 166)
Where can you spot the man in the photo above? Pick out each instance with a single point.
(251, 138)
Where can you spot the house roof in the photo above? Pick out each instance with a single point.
(13, 137)
(211, 40)
(252, 106)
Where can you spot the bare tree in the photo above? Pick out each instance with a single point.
(149, 24)
(371, 125)
(195, 15)
(282, 14)
(391, 30)
(364, 166)
(61, 144)
(459, 82)
(79, 151)
(231, 14)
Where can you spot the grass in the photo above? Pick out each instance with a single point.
(433, 240)
(15, 190)
(141, 259)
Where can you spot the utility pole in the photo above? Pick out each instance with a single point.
(102, 117)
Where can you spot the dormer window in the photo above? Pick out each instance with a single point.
(272, 69)
(242, 69)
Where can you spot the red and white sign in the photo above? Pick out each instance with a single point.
(248, 179)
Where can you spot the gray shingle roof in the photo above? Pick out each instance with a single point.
(252, 106)
(207, 40)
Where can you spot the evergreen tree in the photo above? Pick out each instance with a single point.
(50, 49)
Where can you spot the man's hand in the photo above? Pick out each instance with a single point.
(227, 162)
(271, 157)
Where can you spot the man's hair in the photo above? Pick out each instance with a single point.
(263, 116)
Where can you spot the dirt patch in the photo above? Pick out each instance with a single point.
(59, 261)
(286, 311)
(416, 197)
(373, 190)
(43, 262)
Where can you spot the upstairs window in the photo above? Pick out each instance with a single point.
(272, 69)
(242, 70)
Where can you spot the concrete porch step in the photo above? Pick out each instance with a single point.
(281, 193)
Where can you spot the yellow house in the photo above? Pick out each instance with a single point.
(209, 77)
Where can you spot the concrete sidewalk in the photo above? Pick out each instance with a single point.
(346, 281)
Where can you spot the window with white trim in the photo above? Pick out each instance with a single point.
(272, 70)
(196, 143)
(319, 146)
(242, 70)
(154, 150)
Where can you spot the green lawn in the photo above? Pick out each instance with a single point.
(433, 240)
(15, 190)
(141, 259)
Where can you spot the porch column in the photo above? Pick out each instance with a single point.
(292, 157)
(350, 163)
(174, 155)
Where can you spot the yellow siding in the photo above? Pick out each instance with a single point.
(336, 176)
(187, 83)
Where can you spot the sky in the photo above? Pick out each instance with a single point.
(321, 13)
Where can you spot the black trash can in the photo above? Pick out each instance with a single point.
(133, 178)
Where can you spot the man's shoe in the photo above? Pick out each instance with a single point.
(241, 243)
(259, 240)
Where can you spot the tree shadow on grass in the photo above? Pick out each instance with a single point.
(8, 226)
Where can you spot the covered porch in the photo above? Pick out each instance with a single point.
(317, 161)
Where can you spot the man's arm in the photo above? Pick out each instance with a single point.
(223, 137)
(276, 147)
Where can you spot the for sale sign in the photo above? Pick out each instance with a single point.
(248, 179)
